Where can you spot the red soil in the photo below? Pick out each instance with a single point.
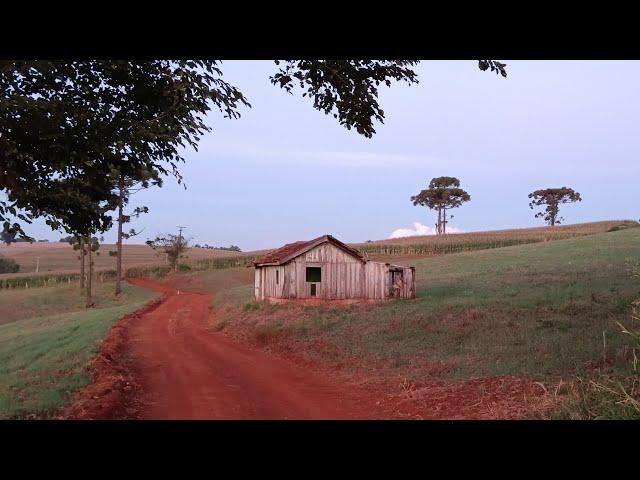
(165, 362)
(178, 368)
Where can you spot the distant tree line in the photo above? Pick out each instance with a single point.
(71, 239)
(230, 248)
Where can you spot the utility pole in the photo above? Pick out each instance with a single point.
(180, 234)
(179, 244)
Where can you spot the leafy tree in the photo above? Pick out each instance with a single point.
(552, 198)
(443, 193)
(346, 89)
(83, 119)
(78, 243)
(173, 246)
(495, 66)
(90, 245)
(71, 120)
(82, 216)
(86, 246)
(9, 233)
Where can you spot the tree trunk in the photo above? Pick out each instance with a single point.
(444, 220)
(119, 254)
(439, 224)
(81, 263)
(553, 211)
(89, 303)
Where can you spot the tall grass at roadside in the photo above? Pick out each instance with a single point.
(610, 393)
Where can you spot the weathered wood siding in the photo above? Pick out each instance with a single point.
(343, 276)
(409, 287)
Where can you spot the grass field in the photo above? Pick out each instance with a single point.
(61, 258)
(547, 311)
(46, 340)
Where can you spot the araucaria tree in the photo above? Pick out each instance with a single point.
(444, 193)
(552, 198)
(125, 187)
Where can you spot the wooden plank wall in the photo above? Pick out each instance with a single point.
(343, 277)
(409, 279)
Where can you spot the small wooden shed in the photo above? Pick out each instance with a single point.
(326, 268)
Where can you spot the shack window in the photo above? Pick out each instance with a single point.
(314, 274)
(277, 276)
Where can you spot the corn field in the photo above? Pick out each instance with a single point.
(464, 242)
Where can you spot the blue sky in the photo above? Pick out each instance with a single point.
(286, 172)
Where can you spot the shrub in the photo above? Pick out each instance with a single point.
(8, 265)
(624, 226)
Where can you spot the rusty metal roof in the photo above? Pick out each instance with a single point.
(292, 250)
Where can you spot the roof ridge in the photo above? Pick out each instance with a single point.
(294, 249)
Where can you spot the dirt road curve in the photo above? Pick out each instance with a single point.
(190, 372)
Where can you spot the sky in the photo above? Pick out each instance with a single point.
(285, 171)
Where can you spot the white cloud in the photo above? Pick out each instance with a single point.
(420, 229)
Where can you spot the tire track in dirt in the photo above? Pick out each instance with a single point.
(187, 371)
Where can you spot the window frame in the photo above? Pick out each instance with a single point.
(316, 268)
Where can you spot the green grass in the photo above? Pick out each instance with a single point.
(33, 302)
(43, 359)
(537, 310)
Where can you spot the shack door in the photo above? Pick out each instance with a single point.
(396, 284)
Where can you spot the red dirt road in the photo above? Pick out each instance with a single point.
(165, 362)
(188, 371)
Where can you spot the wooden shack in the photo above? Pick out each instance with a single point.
(326, 268)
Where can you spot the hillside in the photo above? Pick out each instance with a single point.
(538, 312)
(56, 257)
(460, 242)
(60, 260)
